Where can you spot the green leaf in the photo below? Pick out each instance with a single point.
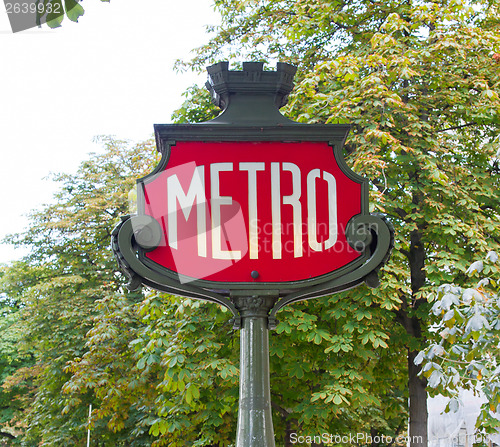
(55, 14)
(73, 10)
(142, 363)
(297, 371)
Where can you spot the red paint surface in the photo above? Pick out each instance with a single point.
(185, 156)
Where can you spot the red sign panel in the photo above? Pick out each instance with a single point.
(228, 209)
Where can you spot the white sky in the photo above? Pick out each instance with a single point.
(109, 74)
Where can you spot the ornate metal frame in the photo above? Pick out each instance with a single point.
(251, 99)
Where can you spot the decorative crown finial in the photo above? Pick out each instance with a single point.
(252, 80)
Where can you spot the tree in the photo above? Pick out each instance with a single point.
(60, 283)
(164, 370)
(419, 82)
(463, 352)
(15, 364)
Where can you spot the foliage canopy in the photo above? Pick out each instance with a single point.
(163, 370)
(463, 352)
(419, 82)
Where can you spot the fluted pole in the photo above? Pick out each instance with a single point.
(255, 425)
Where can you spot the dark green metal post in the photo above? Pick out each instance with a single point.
(255, 425)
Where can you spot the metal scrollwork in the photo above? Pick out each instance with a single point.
(140, 232)
(371, 233)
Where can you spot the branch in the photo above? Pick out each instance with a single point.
(404, 252)
(447, 359)
(457, 127)
(401, 212)
(382, 188)
(284, 413)
(401, 313)
(7, 435)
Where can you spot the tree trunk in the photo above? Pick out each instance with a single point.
(288, 433)
(418, 404)
(374, 435)
(416, 385)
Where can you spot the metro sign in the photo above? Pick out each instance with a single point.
(251, 211)
(251, 203)
(253, 218)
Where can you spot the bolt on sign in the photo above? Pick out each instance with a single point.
(252, 211)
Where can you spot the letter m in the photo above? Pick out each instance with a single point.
(196, 192)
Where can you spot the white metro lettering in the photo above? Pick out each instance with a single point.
(216, 202)
(196, 191)
(270, 177)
